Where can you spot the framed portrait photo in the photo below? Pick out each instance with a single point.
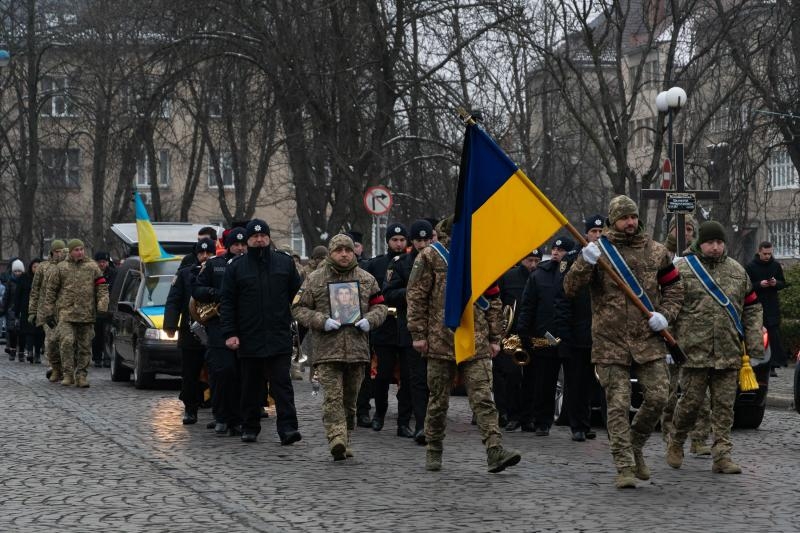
(345, 302)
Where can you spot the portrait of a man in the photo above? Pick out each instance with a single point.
(345, 302)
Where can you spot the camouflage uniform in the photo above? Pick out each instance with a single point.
(709, 338)
(81, 291)
(340, 356)
(425, 296)
(36, 309)
(622, 339)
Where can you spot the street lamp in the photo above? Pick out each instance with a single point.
(5, 58)
(670, 102)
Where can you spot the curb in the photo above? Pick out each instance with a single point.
(780, 401)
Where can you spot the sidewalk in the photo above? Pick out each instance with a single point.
(781, 389)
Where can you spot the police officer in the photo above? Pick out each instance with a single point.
(222, 363)
(385, 342)
(508, 376)
(257, 290)
(177, 318)
(77, 291)
(394, 291)
(536, 319)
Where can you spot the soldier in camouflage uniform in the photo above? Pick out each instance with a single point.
(36, 316)
(711, 341)
(431, 338)
(623, 338)
(340, 351)
(80, 290)
(318, 255)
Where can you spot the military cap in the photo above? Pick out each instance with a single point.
(421, 229)
(340, 240)
(102, 256)
(445, 226)
(594, 221)
(319, 252)
(621, 206)
(235, 235)
(534, 253)
(355, 235)
(565, 243)
(257, 226)
(710, 230)
(74, 243)
(205, 245)
(393, 230)
(57, 244)
(688, 221)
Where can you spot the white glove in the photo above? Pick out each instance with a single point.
(591, 253)
(668, 358)
(362, 324)
(657, 322)
(331, 324)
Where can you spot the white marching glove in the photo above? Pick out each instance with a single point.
(668, 358)
(657, 322)
(591, 253)
(331, 324)
(362, 324)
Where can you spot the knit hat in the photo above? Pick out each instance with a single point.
(710, 230)
(74, 243)
(102, 256)
(17, 266)
(421, 229)
(565, 243)
(355, 235)
(594, 221)
(445, 226)
(621, 206)
(205, 245)
(57, 244)
(235, 235)
(393, 230)
(257, 226)
(340, 240)
(319, 252)
(688, 221)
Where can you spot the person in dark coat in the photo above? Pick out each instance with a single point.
(222, 362)
(177, 318)
(14, 348)
(573, 325)
(766, 274)
(257, 292)
(536, 319)
(509, 377)
(101, 324)
(31, 335)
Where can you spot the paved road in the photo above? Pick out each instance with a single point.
(112, 458)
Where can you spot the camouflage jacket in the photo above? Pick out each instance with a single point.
(39, 288)
(311, 307)
(620, 333)
(704, 329)
(80, 289)
(425, 297)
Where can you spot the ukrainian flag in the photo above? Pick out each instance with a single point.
(500, 217)
(149, 248)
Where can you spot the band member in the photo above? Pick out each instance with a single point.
(623, 339)
(720, 314)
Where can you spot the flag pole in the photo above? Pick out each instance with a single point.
(677, 353)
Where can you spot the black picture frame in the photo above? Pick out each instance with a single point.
(345, 301)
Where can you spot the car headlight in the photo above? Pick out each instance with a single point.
(159, 335)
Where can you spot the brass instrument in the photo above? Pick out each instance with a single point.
(298, 357)
(508, 318)
(203, 312)
(391, 311)
(513, 346)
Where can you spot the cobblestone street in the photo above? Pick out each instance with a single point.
(112, 458)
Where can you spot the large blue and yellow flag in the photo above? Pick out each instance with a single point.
(500, 217)
(150, 250)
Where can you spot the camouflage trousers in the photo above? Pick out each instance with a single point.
(722, 385)
(623, 435)
(702, 427)
(478, 381)
(340, 383)
(75, 346)
(51, 350)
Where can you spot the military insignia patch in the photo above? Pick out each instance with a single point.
(415, 272)
(297, 297)
(562, 267)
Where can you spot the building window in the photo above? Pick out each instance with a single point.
(296, 236)
(226, 167)
(61, 168)
(785, 237)
(143, 170)
(642, 131)
(781, 171)
(56, 90)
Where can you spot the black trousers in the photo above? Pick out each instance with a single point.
(35, 342)
(778, 355)
(545, 377)
(418, 368)
(506, 386)
(191, 363)
(388, 357)
(98, 343)
(223, 372)
(580, 385)
(527, 393)
(255, 372)
(365, 393)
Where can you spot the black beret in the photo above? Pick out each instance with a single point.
(102, 256)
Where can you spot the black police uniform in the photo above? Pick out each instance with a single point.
(257, 291)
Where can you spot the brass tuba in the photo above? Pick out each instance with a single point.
(203, 312)
(519, 355)
(512, 344)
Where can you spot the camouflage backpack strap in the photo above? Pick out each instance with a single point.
(714, 290)
(482, 302)
(622, 268)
